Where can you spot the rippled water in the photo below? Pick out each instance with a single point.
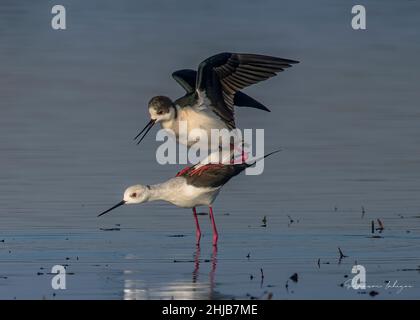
(347, 119)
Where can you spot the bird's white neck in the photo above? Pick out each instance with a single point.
(181, 194)
(166, 191)
(172, 121)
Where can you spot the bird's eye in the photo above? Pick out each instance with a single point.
(160, 112)
(133, 195)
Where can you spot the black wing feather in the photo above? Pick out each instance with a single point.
(186, 78)
(221, 76)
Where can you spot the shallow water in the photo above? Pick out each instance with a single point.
(346, 117)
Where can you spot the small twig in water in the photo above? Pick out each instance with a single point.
(264, 221)
(342, 255)
(262, 278)
(381, 226)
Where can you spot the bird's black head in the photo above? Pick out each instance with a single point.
(161, 108)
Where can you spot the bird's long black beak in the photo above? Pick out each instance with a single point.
(148, 126)
(119, 204)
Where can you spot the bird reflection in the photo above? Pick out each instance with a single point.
(196, 288)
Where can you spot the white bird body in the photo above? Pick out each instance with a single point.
(212, 92)
(179, 193)
(192, 187)
(193, 123)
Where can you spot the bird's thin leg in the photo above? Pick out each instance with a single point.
(197, 227)
(180, 173)
(196, 264)
(213, 224)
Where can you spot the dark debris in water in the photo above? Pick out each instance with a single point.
(110, 229)
(264, 222)
(410, 269)
(180, 261)
(381, 226)
(373, 229)
(319, 262)
(251, 296)
(189, 261)
(294, 277)
(342, 255)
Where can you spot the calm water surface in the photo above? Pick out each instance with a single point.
(347, 119)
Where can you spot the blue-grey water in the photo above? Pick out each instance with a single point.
(347, 118)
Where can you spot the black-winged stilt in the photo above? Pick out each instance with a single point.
(190, 188)
(212, 92)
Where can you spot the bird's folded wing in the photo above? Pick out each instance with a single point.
(213, 175)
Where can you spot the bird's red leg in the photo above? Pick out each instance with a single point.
(197, 227)
(183, 171)
(213, 224)
(199, 170)
(243, 156)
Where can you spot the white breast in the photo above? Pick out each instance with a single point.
(194, 118)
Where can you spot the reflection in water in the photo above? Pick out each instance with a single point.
(139, 289)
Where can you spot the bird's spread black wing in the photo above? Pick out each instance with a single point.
(186, 78)
(222, 75)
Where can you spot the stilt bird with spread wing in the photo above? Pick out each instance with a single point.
(212, 93)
